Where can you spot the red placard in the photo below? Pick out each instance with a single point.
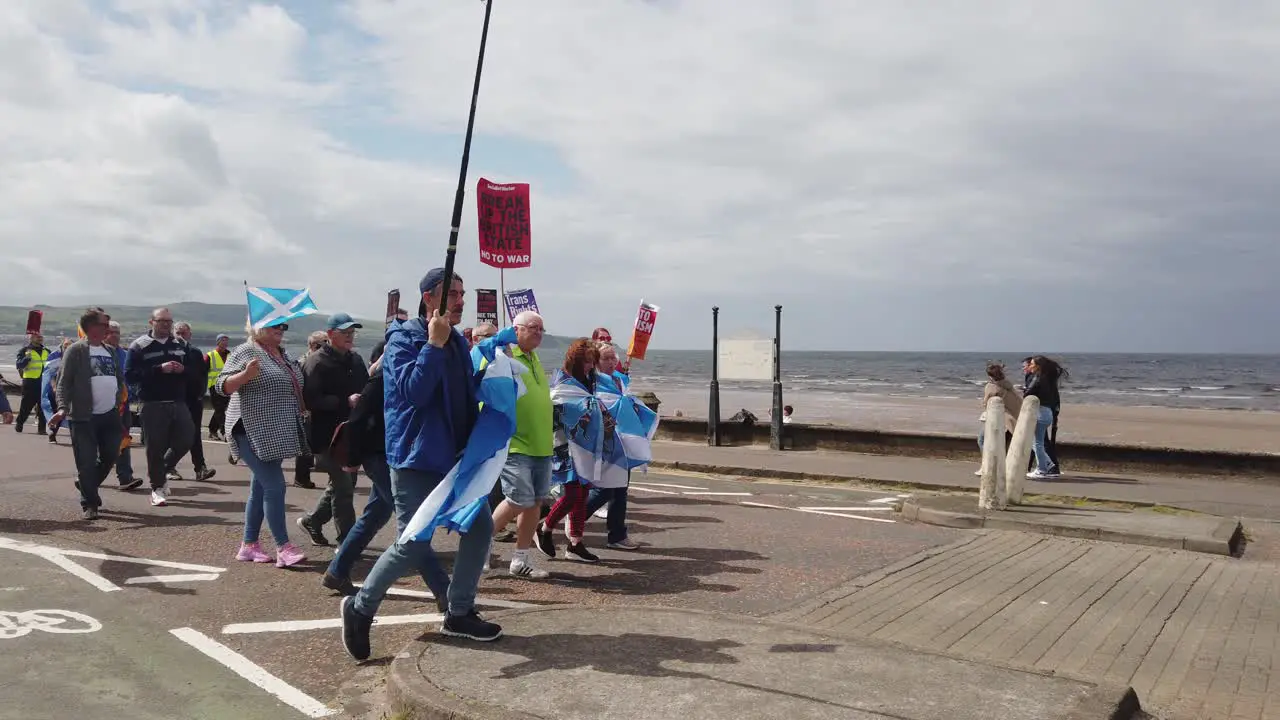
(505, 228)
(646, 318)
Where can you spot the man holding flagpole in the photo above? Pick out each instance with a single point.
(431, 407)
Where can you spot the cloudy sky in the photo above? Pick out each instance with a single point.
(998, 175)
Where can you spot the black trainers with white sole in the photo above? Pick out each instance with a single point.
(471, 626)
(355, 630)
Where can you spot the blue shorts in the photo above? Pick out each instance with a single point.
(526, 479)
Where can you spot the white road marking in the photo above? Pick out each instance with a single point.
(296, 625)
(88, 576)
(885, 500)
(17, 624)
(251, 671)
(62, 558)
(818, 512)
(142, 561)
(145, 579)
(404, 592)
(869, 508)
(708, 492)
(642, 488)
(677, 487)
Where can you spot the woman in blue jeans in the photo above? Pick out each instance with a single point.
(1046, 373)
(615, 498)
(366, 438)
(264, 426)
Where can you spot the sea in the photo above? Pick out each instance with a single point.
(1228, 382)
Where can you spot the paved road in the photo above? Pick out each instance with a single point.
(278, 628)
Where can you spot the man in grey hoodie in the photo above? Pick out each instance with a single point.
(89, 391)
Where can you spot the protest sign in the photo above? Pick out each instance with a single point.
(34, 319)
(486, 306)
(518, 301)
(643, 330)
(504, 227)
(393, 305)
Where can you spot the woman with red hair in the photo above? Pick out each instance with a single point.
(580, 368)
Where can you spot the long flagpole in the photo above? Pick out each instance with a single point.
(462, 174)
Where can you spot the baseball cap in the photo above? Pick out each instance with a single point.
(430, 282)
(222, 336)
(342, 321)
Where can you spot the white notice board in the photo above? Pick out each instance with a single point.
(746, 359)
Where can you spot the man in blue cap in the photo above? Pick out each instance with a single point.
(333, 377)
(430, 410)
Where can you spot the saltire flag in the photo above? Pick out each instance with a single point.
(464, 492)
(276, 306)
(602, 436)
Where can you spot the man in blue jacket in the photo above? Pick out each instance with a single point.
(430, 408)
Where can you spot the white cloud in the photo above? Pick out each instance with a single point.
(900, 169)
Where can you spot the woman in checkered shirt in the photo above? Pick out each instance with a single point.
(263, 427)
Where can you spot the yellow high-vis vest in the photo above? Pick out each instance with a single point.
(216, 362)
(35, 368)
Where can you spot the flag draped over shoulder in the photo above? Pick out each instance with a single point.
(275, 306)
(464, 492)
(603, 435)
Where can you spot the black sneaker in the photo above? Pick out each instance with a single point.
(470, 626)
(317, 537)
(543, 538)
(355, 630)
(53, 438)
(578, 551)
(89, 513)
(205, 473)
(505, 536)
(172, 476)
(337, 584)
(304, 484)
(131, 484)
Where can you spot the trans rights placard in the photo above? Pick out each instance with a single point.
(518, 301)
(486, 306)
(504, 227)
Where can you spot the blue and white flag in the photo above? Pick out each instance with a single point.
(275, 306)
(635, 423)
(602, 435)
(464, 492)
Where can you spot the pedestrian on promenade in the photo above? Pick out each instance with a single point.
(216, 358)
(431, 409)
(333, 378)
(579, 365)
(30, 362)
(124, 462)
(526, 477)
(157, 366)
(1046, 373)
(48, 390)
(89, 392)
(6, 411)
(999, 386)
(198, 385)
(264, 426)
(365, 436)
(610, 379)
(303, 465)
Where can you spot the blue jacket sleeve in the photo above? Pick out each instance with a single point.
(490, 345)
(413, 375)
(24, 359)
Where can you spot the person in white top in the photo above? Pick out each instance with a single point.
(89, 392)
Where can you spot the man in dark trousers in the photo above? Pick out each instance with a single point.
(157, 366)
(31, 360)
(197, 376)
(216, 358)
(334, 376)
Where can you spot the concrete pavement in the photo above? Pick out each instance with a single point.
(1250, 499)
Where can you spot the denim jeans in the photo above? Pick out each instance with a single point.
(616, 521)
(124, 466)
(94, 443)
(410, 488)
(1043, 421)
(266, 496)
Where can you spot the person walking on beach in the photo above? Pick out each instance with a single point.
(31, 360)
(90, 390)
(431, 409)
(157, 366)
(264, 427)
(124, 461)
(333, 378)
(198, 385)
(526, 477)
(999, 386)
(216, 358)
(1045, 377)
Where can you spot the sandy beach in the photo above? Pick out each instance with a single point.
(1232, 430)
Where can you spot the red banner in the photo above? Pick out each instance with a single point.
(505, 228)
(486, 306)
(643, 330)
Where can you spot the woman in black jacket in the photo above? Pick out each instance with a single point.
(366, 444)
(1046, 373)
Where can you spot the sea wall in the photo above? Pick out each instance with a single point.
(1083, 457)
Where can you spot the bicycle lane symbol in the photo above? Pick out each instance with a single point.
(59, 622)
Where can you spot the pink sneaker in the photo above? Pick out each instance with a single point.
(289, 555)
(252, 552)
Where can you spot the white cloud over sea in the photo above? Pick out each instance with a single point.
(979, 175)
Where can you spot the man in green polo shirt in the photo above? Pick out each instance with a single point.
(526, 478)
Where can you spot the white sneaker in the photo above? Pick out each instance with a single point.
(160, 497)
(602, 513)
(525, 569)
(1036, 475)
(978, 472)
